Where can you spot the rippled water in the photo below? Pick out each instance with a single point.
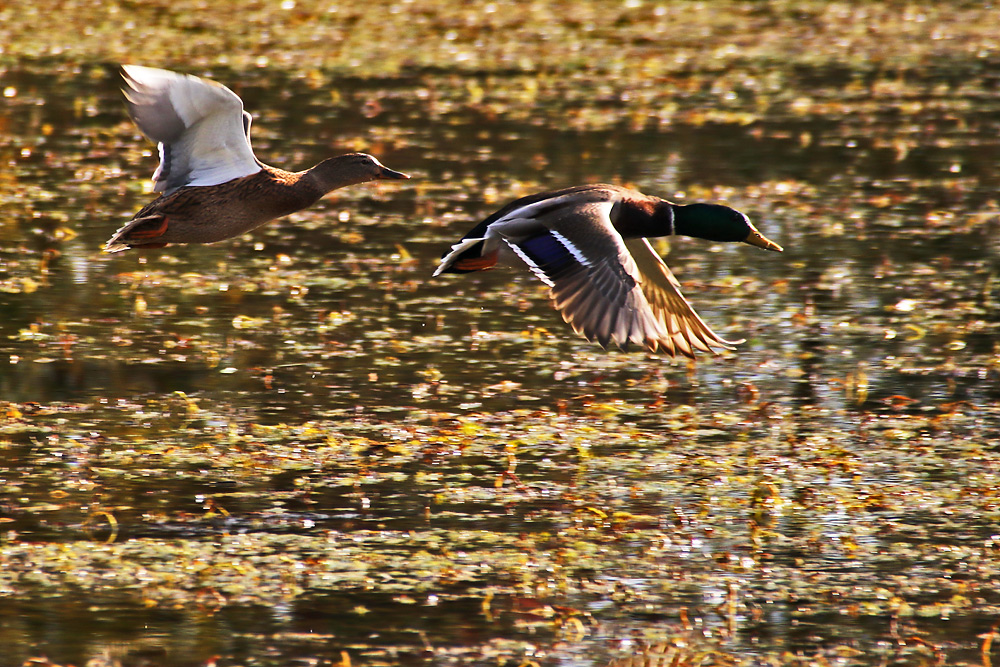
(882, 306)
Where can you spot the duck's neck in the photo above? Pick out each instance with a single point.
(685, 221)
(637, 217)
(712, 222)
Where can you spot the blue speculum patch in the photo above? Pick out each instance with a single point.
(547, 253)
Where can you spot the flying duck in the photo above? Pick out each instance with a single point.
(589, 245)
(211, 185)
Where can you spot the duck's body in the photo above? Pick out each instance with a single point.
(212, 185)
(588, 244)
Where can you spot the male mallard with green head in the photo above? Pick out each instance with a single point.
(588, 244)
(212, 186)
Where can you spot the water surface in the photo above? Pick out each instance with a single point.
(297, 445)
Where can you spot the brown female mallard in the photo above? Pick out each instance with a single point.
(212, 187)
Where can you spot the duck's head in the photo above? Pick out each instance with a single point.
(351, 169)
(714, 222)
(378, 169)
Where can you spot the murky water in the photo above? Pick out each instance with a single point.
(870, 363)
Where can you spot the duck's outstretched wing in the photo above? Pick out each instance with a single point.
(686, 331)
(201, 128)
(592, 279)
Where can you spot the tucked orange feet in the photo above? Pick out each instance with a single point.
(477, 263)
(148, 232)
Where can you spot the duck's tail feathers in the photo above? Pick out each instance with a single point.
(116, 243)
(147, 227)
(466, 256)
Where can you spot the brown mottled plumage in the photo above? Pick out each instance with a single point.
(588, 244)
(213, 187)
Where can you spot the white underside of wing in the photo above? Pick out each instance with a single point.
(198, 124)
(213, 153)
